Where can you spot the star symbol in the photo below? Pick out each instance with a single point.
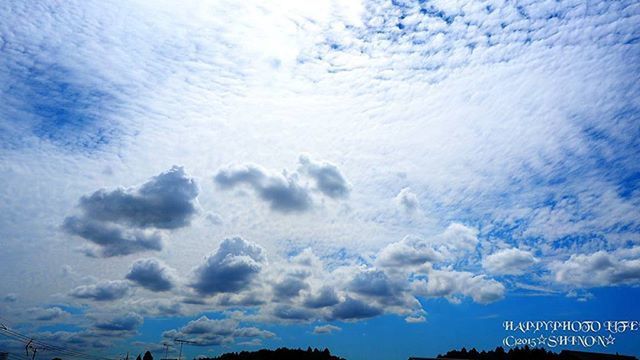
(542, 340)
(610, 339)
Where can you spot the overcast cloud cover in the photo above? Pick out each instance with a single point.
(255, 172)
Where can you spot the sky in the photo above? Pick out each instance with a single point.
(383, 178)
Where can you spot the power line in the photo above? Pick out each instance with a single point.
(36, 345)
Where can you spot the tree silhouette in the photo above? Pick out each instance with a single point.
(279, 354)
(147, 356)
(524, 353)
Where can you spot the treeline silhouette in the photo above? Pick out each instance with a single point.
(279, 354)
(524, 353)
(500, 354)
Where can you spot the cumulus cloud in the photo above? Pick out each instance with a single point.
(84, 339)
(210, 332)
(451, 284)
(102, 291)
(295, 313)
(162, 307)
(289, 287)
(128, 322)
(286, 192)
(509, 262)
(164, 202)
(353, 309)
(328, 178)
(10, 298)
(407, 200)
(283, 192)
(415, 319)
(325, 297)
(326, 329)
(459, 238)
(152, 275)
(598, 269)
(374, 283)
(124, 221)
(112, 239)
(48, 314)
(409, 252)
(231, 268)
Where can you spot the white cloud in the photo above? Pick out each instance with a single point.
(406, 253)
(48, 314)
(451, 284)
(598, 269)
(459, 238)
(326, 329)
(407, 200)
(509, 262)
(415, 319)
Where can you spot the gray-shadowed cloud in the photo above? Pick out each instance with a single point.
(113, 239)
(10, 298)
(83, 339)
(103, 291)
(294, 313)
(210, 332)
(286, 192)
(167, 201)
(127, 221)
(353, 309)
(283, 192)
(373, 283)
(231, 268)
(325, 297)
(289, 287)
(152, 275)
(328, 178)
(128, 322)
(162, 307)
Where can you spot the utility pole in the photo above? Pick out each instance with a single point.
(166, 350)
(181, 341)
(29, 346)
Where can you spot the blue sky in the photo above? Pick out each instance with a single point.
(383, 178)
